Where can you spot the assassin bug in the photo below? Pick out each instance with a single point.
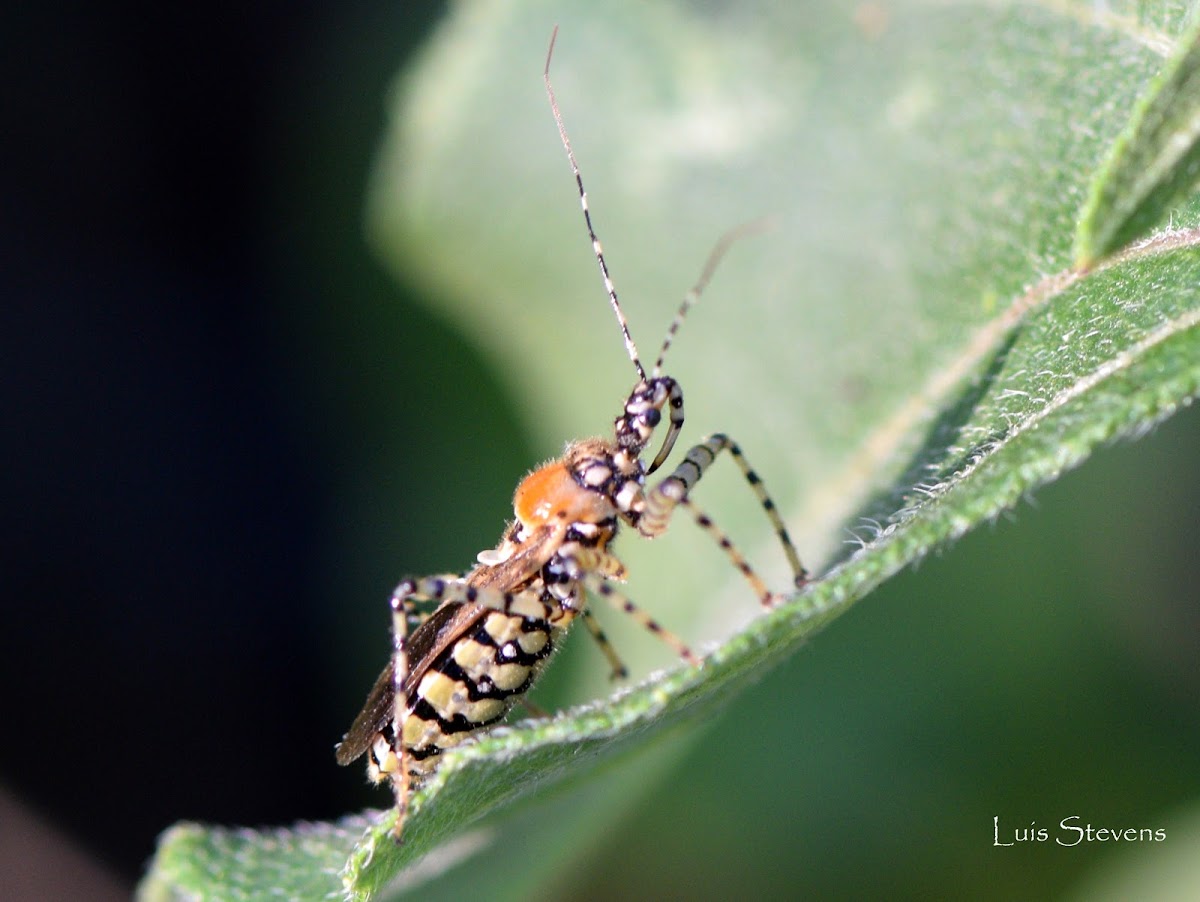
(492, 631)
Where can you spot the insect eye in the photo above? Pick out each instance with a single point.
(652, 417)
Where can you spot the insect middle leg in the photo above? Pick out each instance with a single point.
(595, 584)
(619, 671)
(674, 490)
(598, 561)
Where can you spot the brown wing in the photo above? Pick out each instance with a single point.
(430, 639)
(522, 565)
(372, 719)
(443, 627)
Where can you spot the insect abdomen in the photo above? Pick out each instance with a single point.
(474, 683)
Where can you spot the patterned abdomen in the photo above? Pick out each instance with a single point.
(477, 679)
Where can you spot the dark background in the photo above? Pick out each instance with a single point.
(179, 187)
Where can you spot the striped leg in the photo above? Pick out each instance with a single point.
(452, 588)
(582, 561)
(404, 613)
(402, 608)
(596, 560)
(414, 617)
(597, 586)
(619, 670)
(673, 491)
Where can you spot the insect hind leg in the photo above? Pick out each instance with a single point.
(396, 764)
(674, 490)
(405, 610)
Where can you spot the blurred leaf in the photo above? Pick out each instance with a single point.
(1162, 873)
(1155, 162)
(302, 862)
(905, 356)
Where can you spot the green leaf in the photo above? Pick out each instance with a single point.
(1155, 163)
(907, 354)
(302, 862)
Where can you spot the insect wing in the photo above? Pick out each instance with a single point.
(443, 628)
(521, 563)
(431, 638)
(373, 719)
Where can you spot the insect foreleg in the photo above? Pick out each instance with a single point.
(674, 490)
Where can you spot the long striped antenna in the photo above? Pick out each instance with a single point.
(710, 266)
(587, 217)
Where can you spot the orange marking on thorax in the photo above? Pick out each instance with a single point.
(550, 495)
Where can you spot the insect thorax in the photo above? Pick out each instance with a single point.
(476, 680)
